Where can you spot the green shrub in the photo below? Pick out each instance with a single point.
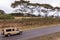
(6, 16)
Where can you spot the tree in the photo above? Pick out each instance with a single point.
(45, 12)
(57, 11)
(25, 6)
(2, 12)
(21, 2)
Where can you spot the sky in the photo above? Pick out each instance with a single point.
(6, 4)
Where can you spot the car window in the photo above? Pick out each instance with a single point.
(8, 30)
(12, 29)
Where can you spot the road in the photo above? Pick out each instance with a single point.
(32, 33)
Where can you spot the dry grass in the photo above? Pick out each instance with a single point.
(36, 27)
(30, 23)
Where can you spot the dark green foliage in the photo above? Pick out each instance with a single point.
(22, 15)
(16, 3)
(57, 8)
(6, 16)
(46, 6)
(17, 14)
(2, 12)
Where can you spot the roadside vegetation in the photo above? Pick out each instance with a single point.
(29, 23)
(6, 16)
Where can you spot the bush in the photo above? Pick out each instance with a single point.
(6, 16)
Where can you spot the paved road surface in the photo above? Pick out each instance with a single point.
(32, 33)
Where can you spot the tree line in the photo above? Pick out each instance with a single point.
(28, 8)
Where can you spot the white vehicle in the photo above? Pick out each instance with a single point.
(11, 31)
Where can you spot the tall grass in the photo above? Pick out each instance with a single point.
(32, 21)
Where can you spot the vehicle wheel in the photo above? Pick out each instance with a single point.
(20, 32)
(8, 35)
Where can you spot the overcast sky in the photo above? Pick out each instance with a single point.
(5, 4)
